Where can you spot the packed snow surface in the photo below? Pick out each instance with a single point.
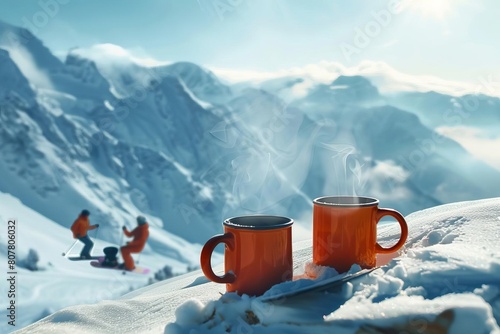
(59, 282)
(447, 279)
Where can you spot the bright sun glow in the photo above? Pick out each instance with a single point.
(430, 8)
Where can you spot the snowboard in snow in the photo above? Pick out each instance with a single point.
(137, 270)
(77, 258)
(317, 286)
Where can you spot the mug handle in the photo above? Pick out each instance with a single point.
(404, 230)
(206, 258)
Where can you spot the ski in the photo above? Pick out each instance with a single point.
(77, 258)
(319, 286)
(137, 270)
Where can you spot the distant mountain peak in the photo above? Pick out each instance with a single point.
(11, 33)
(354, 80)
(186, 65)
(14, 38)
(189, 72)
(13, 81)
(202, 82)
(90, 67)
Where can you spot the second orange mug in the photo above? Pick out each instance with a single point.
(345, 231)
(258, 253)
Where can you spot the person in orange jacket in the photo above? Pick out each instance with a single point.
(79, 229)
(140, 234)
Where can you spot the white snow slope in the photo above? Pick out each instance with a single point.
(60, 282)
(447, 279)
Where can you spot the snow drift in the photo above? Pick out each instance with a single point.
(447, 279)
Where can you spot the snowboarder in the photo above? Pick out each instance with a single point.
(79, 229)
(140, 234)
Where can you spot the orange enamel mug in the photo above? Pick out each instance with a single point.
(257, 254)
(345, 231)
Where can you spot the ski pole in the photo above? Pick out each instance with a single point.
(96, 230)
(138, 259)
(69, 249)
(121, 238)
(95, 235)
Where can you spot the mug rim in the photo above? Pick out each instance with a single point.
(346, 201)
(238, 222)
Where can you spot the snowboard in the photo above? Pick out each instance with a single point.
(322, 285)
(137, 270)
(77, 258)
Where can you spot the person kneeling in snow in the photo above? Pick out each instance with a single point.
(140, 234)
(79, 229)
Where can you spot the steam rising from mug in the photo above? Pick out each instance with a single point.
(347, 170)
(279, 165)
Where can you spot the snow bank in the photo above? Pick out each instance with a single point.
(446, 280)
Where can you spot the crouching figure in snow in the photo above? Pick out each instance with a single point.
(140, 234)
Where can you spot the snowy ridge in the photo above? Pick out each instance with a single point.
(447, 278)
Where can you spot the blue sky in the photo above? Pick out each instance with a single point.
(453, 39)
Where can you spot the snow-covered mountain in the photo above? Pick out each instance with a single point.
(298, 80)
(116, 156)
(45, 71)
(343, 91)
(202, 82)
(436, 109)
(175, 143)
